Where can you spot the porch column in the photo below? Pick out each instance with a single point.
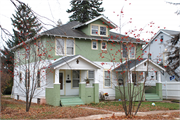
(56, 76)
(159, 75)
(96, 78)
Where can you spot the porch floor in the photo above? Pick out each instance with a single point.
(71, 100)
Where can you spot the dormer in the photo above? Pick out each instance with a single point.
(98, 27)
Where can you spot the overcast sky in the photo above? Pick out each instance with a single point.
(140, 12)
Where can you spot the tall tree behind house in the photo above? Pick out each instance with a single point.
(84, 10)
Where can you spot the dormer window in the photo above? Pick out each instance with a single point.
(102, 30)
(94, 30)
(98, 30)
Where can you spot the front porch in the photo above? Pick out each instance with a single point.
(73, 76)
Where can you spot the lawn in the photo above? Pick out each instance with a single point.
(116, 106)
(12, 109)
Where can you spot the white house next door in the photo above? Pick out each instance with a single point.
(61, 80)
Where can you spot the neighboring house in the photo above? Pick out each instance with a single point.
(156, 50)
(82, 58)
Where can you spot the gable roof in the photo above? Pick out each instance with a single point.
(170, 33)
(135, 63)
(65, 60)
(101, 17)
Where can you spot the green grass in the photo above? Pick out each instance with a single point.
(170, 106)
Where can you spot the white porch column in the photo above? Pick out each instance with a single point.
(159, 75)
(56, 76)
(96, 77)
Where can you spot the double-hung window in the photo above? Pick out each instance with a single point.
(102, 30)
(120, 78)
(76, 78)
(107, 79)
(70, 47)
(91, 74)
(103, 46)
(94, 45)
(125, 54)
(132, 51)
(94, 30)
(38, 78)
(59, 46)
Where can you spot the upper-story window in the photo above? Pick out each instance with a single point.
(94, 30)
(102, 30)
(104, 46)
(129, 51)
(70, 47)
(162, 38)
(107, 79)
(98, 30)
(94, 45)
(59, 46)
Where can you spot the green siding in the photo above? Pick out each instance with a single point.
(53, 95)
(159, 90)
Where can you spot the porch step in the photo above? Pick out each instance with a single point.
(71, 101)
(152, 97)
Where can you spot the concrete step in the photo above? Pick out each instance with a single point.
(71, 101)
(152, 97)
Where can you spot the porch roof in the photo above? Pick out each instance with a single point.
(135, 63)
(70, 62)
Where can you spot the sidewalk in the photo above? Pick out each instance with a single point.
(120, 113)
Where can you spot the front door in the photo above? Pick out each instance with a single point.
(61, 80)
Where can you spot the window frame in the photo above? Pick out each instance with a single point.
(39, 79)
(109, 78)
(71, 46)
(105, 45)
(128, 51)
(118, 79)
(89, 75)
(56, 45)
(92, 45)
(99, 30)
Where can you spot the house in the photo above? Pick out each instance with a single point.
(80, 63)
(157, 52)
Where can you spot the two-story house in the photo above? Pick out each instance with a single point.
(157, 51)
(80, 61)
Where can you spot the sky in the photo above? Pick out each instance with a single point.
(141, 14)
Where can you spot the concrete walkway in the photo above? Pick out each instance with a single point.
(119, 114)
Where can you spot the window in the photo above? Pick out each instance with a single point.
(128, 51)
(120, 78)
(27, 52)
(94, 45)
(102, 30)
(76, 78)
(27, 78)
(70, 47)
(103, 46)
(94, 30)
(59, 46)
(134, 78)
(98, 30)
(161, 39)
(38, 78)
(124, 51)
(20, 77)
(132, 51)
(91, 74)
(107, 79)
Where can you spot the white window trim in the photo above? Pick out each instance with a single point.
(128, 51)
(65, 47)
(98, 30)
(105, 78)
(101, 45)
(92, 45)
